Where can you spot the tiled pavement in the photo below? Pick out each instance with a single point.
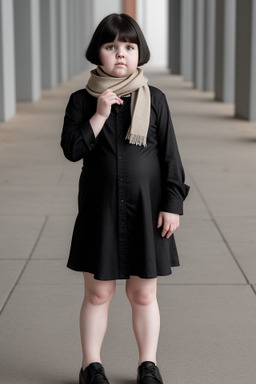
(208, 305)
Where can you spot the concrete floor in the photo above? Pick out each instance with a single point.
(208, 305)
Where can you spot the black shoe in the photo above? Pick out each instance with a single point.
(148, 373)
(93, 374)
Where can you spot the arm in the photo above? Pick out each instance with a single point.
(79, 134)
(174, 188)
(77, 138)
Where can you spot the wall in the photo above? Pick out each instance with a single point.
(102, 8)
(155, 30)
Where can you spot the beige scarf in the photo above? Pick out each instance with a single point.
(136, 85)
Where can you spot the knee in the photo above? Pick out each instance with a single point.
(141, 296)
(99, 296)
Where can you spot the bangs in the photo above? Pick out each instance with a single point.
(121, 30)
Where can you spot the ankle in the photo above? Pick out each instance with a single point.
(151, 360)
(87, 362)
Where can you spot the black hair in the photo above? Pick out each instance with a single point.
(123, 27)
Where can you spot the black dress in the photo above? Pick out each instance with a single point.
(122, 188)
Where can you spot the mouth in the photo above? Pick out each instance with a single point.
(120, 64)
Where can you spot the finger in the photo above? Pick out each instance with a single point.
(114, 100)
(172, 229)
(112, 96)
(118, 99)
(164, 230)
(169, 233)
(159, 221)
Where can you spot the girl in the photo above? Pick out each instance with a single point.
(131, 192)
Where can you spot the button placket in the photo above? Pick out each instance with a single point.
(121, 190)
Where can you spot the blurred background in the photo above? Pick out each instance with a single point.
(203, 57)
(211, 43)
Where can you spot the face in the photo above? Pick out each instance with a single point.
(119, 58)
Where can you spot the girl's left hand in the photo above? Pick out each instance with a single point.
(169, 221)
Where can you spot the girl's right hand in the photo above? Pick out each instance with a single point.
(105, 101)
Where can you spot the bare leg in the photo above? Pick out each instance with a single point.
(94, 317)
(145, 314)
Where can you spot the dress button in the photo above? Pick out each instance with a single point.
(121, 179)
(120, 157)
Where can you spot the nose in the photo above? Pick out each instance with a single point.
(120, 53)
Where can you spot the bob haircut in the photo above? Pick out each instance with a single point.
(120, 26)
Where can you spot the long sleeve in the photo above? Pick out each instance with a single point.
(174, 189)
(77, 139)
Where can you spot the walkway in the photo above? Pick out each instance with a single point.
(208, 305)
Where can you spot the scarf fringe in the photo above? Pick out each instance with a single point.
(136, 139)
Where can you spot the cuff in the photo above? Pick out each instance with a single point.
(173, 206)
(88, 135)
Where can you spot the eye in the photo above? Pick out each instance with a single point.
(110, 47)
(130, 48)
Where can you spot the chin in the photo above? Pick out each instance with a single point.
(120, 74)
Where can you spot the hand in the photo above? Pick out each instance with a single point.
(169, 221)
(105, 101)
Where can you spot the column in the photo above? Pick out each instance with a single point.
(129, 7)
(62, 41)
(225, 50)
(76, 38)
(89, 24)
(27, 49)
(49, 55)
(71, 37)
(102, 8)
(155, 29)
(245, 90)
(7, 64)
(209, 45)
(199, 43)
(80, 32)
(187, 39)
(174, 36)
(85, 31)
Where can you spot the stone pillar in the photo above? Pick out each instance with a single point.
(7, 64)
(209, 45)
(27, 49)
(187, 38)
(89, 25)
(174, 36)
(102, 8)
(85, 32)
(80, 33)
(155, 29)
(70, 41)
(225, 50)
(49, 49)
(129, 7)
(62, 41)
(199, 43)
(245, 90)
(76, 37)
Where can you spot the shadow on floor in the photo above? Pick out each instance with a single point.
(120, 380)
